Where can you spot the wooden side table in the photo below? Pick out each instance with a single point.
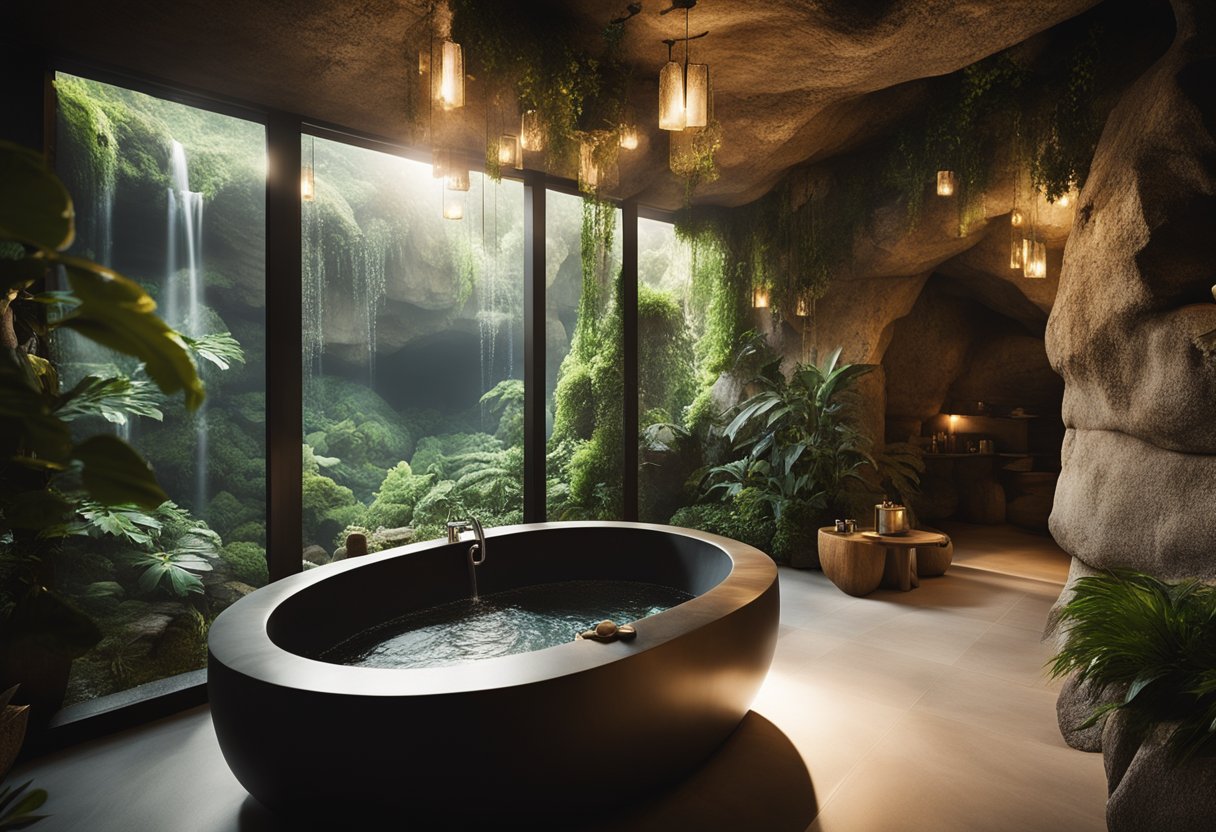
(860, 562)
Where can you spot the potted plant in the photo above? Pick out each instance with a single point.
(1148, 648)
(41, 631)
(802, 450)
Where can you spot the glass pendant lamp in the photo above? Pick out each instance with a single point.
(531, 131)
(672, 114)
(451, 76)
(945, 183)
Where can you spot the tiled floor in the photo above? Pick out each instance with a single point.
(926, 710)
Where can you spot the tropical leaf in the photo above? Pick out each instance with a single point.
(39, 212)
(112, 472)
(112, 398)
(118, 314)
(220, 348)
(17, 806)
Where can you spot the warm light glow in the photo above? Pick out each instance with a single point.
(531, 131)
(953, 420)
(451, 76)
(1016, 218)
(509, 152)
(453, 205)
(759, 299)
(441, 163)
(308, 185)
(1063, 200)
(1034, 263)
(588, 170)
(672, 115)
(1015, 254)
(696, 95)
(945, 183)
(629, 137)
(457, 180)
(803, 309)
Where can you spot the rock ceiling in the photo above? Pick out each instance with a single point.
(794, 81)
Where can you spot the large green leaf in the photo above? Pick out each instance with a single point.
(37, 209)
(16, 810)
(117, 313)
(52, 622)
(111, 397)
(220, 348)
(35, 510)
(26, 408)
(114, 473)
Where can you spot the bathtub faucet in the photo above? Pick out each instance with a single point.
(477, 552)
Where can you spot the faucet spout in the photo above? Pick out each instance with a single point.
(477, 551)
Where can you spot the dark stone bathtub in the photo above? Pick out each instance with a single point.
(576, 726)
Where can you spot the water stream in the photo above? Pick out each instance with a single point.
(183, 288)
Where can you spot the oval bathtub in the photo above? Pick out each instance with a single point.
(579, 725)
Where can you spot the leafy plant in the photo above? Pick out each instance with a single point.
(112, 397)
(17, 806)
(798, 435)
(220, 348)
(39, 460)
(1156, 639)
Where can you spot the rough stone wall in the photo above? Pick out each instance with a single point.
(1139, 455)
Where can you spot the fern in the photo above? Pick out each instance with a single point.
(1157, 639)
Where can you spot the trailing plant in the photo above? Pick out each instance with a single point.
(1155, 639)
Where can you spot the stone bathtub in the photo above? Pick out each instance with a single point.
(576, 726)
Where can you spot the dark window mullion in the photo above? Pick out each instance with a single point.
(284, 362)
(629, 318)
(534, 348)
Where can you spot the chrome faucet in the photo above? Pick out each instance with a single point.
(477, 552)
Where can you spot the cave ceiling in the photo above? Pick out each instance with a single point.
(794, 81)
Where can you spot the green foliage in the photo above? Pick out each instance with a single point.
(248, 562)
(1128, 630)
(326, 504)
(17, 805)
(665, 373)
(113, 397)
(798, 436)
(219, 348)
(398, 494)
(744, 517)
(506, 401)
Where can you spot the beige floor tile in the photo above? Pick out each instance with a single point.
(937, 635)
(856, 670)
(994, 704)
(1011, 653)
(1030, 612)
(940, 775)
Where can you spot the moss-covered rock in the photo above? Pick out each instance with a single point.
(248, 562)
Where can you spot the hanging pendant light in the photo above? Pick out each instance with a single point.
(672, 115)
(453, 204)
(450, 87)
(1016, 218)
(945, 183)
(803, 307)
(696, 95)
(509, 152)
(441, 163)
(457, 179)
(1015, 252)
(531, 131)
(759, 298)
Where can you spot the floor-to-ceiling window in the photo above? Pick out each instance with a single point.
(583, 358)
(668, 323)
(173, 197)
(413, 347)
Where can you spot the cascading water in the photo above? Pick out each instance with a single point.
(183, 287)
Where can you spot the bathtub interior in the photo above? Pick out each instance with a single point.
(352, 600)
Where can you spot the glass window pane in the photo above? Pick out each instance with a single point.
(174, 198)
(583, 359)
(413, 349)
(667, 381)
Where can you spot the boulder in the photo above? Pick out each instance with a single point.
(316, 555)
(1075, 705)
(1149, 790)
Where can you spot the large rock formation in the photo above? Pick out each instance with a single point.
(1140, 453)
(1139, 457)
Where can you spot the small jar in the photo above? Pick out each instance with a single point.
(840, 526)
(850, 526)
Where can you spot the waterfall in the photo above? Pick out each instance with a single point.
(183, 303)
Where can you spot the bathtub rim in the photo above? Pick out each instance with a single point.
(239, 638)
